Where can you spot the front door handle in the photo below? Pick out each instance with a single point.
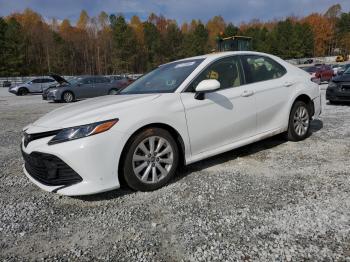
(247, 93)
(288, 84)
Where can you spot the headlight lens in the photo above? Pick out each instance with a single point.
(73, 133)
(332, 84)
(53, 91)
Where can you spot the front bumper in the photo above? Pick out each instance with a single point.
(13, 91)
(49, 170)
(50, 97)
(336, 94)
(92, 162)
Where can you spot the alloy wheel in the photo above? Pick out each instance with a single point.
(301, 121)
(152, 159)
(68, 97)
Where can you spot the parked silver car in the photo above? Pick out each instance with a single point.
(79, 88)
(37, 85)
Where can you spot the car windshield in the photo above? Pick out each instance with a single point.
(164, 79)
(347, 71)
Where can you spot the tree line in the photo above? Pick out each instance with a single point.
(109, 44)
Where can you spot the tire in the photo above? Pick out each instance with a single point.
(145, 169)
(112, 92)
(68, 97)
(22, 91)
(299, 122)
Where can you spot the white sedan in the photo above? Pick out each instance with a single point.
(179, 113)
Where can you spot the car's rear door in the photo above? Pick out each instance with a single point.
(85, 88)
(101, 86)
(46, 83)
(224, 116)
(272, 87)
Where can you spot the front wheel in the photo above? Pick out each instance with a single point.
(299, 122)
(22, 91)
(151, 160)
(68, 97)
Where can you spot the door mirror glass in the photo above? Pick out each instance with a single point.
(208, 85)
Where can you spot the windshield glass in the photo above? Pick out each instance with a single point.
(164, 79)
(347, 71)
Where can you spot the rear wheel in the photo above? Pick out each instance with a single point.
(68, 97)
(151, 160)
(299, 122)
(22, 91)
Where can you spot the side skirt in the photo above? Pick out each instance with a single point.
(234, 145)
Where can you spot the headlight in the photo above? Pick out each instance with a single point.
(73, 133)
(332, 84)
(53, 91)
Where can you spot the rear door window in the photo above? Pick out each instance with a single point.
(260, 68)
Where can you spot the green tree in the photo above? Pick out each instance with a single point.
(124, 49)
(3, 28)
(152, 41)
(13, 49)
(343, 32)
(230, 30)
(196, 41)
(172, 42)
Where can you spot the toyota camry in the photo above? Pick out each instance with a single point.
(177, 114)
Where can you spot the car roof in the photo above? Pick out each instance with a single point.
(214, 56)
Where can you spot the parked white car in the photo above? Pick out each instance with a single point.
(37, 85)
(181, 112)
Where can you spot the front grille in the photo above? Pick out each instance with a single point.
(346, 87)
(49, 169)
(30, 137)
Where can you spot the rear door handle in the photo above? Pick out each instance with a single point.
(247, 93)
(288, 84)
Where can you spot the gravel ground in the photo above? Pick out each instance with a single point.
(272, 200)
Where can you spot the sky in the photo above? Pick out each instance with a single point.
(235, 11)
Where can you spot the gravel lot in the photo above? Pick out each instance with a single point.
(273, 200)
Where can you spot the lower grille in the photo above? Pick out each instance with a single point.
(346, 88)
(49, 169)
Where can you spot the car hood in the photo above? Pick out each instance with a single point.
(88, 111)
(59, 79)
(342, 78)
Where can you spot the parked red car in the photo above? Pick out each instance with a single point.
(321, 72)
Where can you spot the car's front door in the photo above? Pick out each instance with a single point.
(272, 88)
(223, 116)
(35, 85)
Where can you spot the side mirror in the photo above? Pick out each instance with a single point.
(206, 86)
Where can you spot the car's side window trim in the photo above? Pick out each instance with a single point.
(265, 57)
(240, 71)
